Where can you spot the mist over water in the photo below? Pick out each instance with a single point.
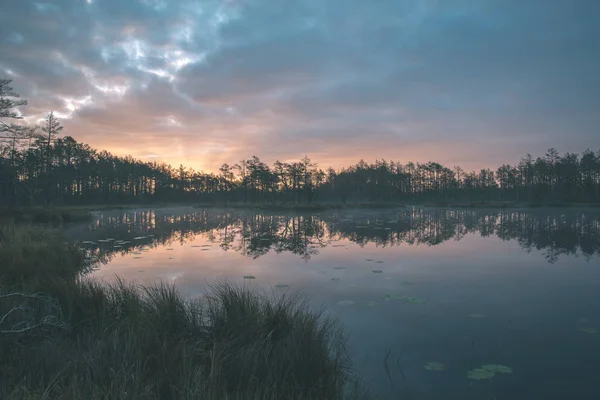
(430, 298)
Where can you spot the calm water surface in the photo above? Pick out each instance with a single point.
(412, 286)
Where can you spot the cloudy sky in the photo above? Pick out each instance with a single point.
(202, 82)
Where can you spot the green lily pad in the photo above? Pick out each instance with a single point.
(345, 302)
(378, 262)
(369, 259)
(406, 283)
(135, 258)
(475, 316)
(282, 286)
(335, 279)
(249, 277)
(139, 238)
(339, 268)
(434, 366)
(195, 246)
(497, 368)
(480, 374)
(377, 271)
(388, 297)
(591, 331)
(371, 304)
(87, 242)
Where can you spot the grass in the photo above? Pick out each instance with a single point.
(44, 215)
(65, 336)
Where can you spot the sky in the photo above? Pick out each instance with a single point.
(475, 83)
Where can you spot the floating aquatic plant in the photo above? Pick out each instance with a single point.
(139, 238)
(282, 286)
(591, 331)
(345, 302)
(480, 373)
(434, 366)
(135, 258)
(249, 277)
(335, 279)
(371, 304)
(379, 262)
(475, 316)
(406, 283)
(339, 268)
(369, 259)
(377, 271)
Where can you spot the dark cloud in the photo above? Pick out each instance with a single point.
(475, 82)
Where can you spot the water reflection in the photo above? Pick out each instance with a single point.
(554, 232)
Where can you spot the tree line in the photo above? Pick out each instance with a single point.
(39, 167)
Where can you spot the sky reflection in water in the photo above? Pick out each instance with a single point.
(459, 287)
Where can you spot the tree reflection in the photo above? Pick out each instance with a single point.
(554, 232)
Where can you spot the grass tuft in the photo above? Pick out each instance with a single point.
(63, 336)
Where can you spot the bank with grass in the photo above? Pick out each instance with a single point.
(65, 336)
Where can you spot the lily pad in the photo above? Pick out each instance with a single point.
(369, 259)
(195, 246)
(498, 369)
(378, 262)
(480, 374)
(339, 268)
(170, 248)
(136, 252)
(475, 316)
(87, 242)
(335, 279)
(345, 302)
(591, 331)
(249, 277)
(388, 297)
(204, 249)
(434, 366)
(406, 283)
(371, 304)
(139, 238)
(377, 271)
(135, 258)
(282, 286)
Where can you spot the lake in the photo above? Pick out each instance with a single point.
(438, 303)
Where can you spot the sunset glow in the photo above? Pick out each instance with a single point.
(203, 83)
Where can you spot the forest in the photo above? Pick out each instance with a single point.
(40, 165)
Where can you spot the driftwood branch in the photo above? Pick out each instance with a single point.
(30, 323)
